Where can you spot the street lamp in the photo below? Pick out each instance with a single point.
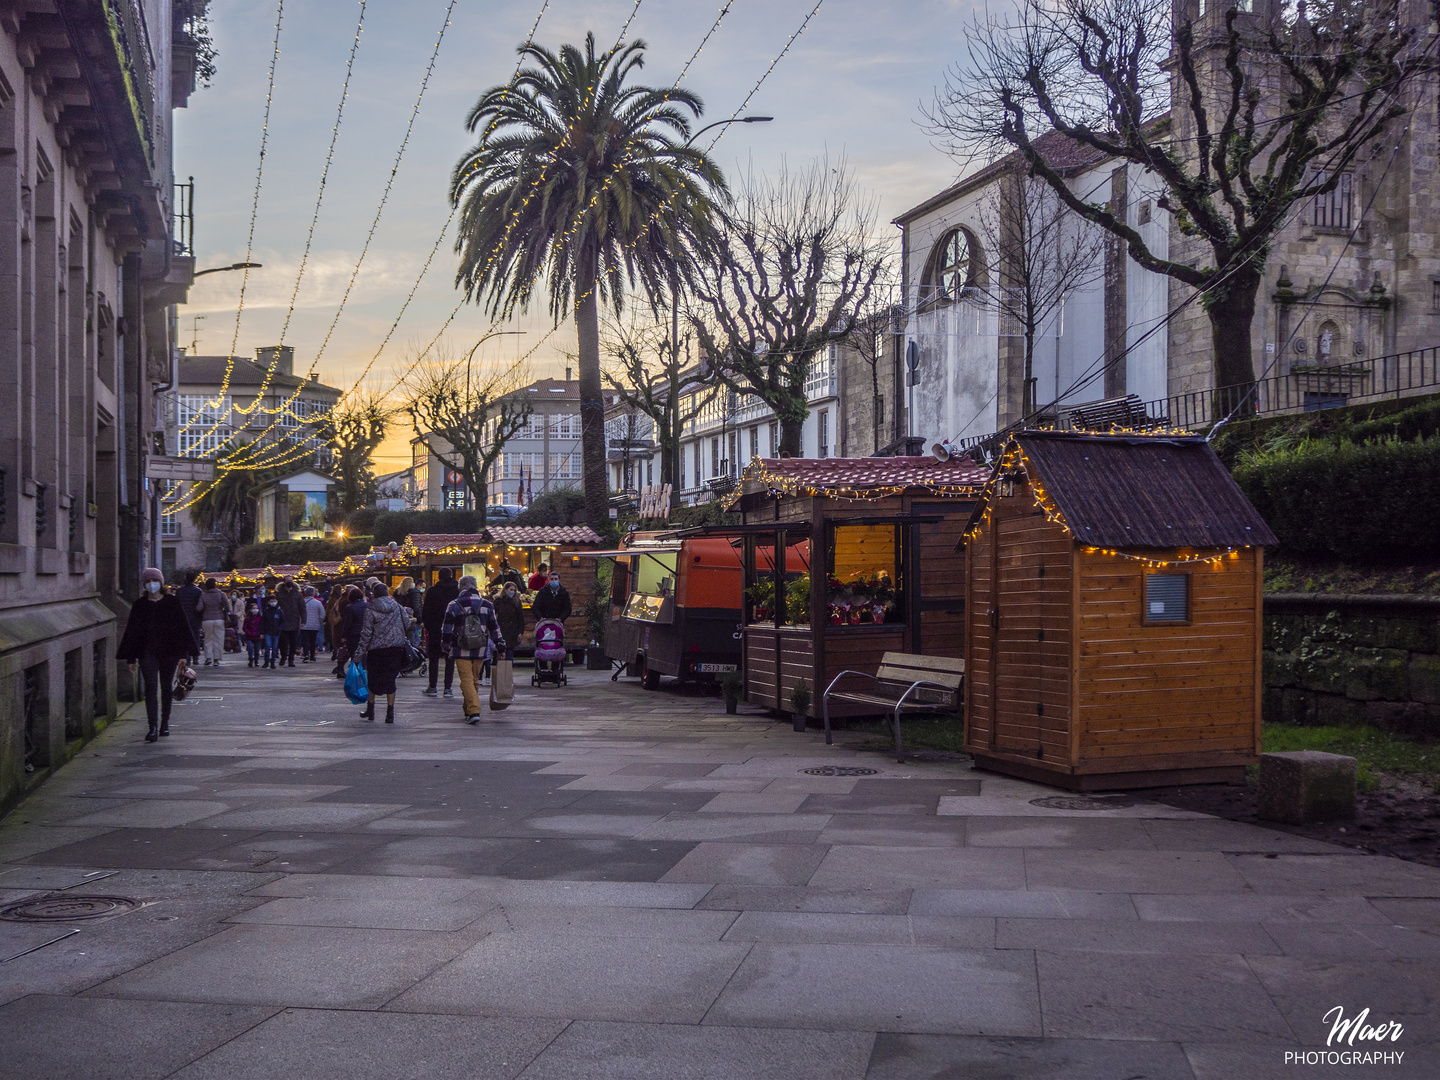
(471, 355)
(675, 293)
(232, 266)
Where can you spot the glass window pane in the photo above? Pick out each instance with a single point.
(864, 581)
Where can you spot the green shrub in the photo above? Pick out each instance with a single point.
(566, 507)
(395, 525)
(1363, 501)
(292, 552)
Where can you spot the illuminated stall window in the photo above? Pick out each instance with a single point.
(863, 574)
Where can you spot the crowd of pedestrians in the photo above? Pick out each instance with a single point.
(453, 623)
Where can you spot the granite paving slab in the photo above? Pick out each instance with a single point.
(748, 864)
(123, 1040)
(322, 1044)
(410, 913)
(588, 1050)
(856, 901)
(579, 975)
(905, 1056)
(883, 988)
(1021, 904)
(1131, 871)
(847, 866)
(291, 966)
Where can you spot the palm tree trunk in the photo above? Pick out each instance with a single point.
(592, 407)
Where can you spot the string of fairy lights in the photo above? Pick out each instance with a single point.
(245, 458)
(295, 445)
(286, 409)
(258, 453)
(1013, 462)
(254, 204)
(325, 172)
(231, 408)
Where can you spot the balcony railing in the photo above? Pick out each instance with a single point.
(1304, 389)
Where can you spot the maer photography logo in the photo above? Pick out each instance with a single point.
(1345, 1032)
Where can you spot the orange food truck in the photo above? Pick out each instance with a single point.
(674, 608)
(676, 604)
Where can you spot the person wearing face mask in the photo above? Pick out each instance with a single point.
(510, 614)
(272, 628)
(157, 638)
(250, 632)
(553, 601)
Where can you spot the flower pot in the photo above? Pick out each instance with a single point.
(730, 705)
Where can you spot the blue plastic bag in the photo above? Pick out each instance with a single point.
(357, 684)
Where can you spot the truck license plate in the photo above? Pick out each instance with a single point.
(717, 668)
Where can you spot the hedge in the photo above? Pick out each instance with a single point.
(292, 552)
(395, 525)
(1366, 502)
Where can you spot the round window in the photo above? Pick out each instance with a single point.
(952, 263)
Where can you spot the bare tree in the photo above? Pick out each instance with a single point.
(354, 428)
(464, 413)
(794, 268)
(649, 374)
(870, 339)
(1265, 111)
(1041, 250)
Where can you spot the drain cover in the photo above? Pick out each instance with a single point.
(1082, 802)
(839, 770)
(45, 909)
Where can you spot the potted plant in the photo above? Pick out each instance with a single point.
(797, 601)
(800, 704)
(731, 686)
(762, 598)
(597, 613)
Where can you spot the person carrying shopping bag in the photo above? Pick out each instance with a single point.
(381, 648)
(468, 634)
(157, 639)
(212, 606)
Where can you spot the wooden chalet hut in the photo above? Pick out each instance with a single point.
(878, 535)
(1114, 630)
(524, 546)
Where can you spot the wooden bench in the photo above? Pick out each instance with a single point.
(904, 682)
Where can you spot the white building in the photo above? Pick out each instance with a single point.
(969, 380)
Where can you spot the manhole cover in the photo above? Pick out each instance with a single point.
(44, 909)
(1082, 802)
(839, 770)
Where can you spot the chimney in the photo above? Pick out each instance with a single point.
(567, 374)
(273, 355)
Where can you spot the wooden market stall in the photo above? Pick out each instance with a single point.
(525, 547)
(1114, 632)
(882, 531)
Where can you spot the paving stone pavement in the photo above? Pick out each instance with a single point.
(605, 882)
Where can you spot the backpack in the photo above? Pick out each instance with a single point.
(473, 635)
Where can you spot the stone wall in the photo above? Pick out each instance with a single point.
(1351, 660)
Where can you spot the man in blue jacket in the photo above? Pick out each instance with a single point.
(469, 631)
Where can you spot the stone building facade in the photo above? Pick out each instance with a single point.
(1349, 302)
(89, 274)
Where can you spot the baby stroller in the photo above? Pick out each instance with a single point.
(549, 653)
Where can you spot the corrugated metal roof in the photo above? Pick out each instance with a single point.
(1122, 491)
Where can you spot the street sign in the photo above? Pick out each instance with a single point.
(173, 468)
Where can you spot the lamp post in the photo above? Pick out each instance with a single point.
(675, 469)
(471, 356)
(224, 269)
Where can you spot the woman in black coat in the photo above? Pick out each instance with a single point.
(157, 637)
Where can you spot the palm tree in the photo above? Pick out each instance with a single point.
(226, 508)
(588, 184)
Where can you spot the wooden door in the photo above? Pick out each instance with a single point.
(1031, 639)
(1016, 651)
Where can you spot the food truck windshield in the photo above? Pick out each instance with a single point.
(654, 580)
